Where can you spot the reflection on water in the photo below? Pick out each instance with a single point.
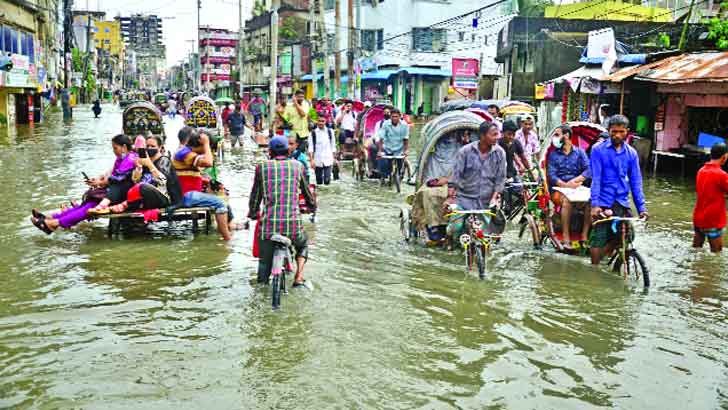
(175, 321)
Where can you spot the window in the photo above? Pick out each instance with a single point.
(372, 40)
(461, 36)
(329, 5)
(429, 39)
(485, 37)
(13, 41)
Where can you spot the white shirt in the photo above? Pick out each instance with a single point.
(348, 121)
(323, 152)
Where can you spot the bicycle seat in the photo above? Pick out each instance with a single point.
(281, 240)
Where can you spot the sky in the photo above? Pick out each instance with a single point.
(179, 18)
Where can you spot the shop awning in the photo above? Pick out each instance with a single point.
(378, 75)
(594, 72)
(307, 77)
(435, 72)
(688, 68)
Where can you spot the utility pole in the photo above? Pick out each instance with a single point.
(273, 64)
(67, 38)
(350, 52)
(198, 65)
(241, 30)
(84, 76)
(313, 51)
(325, 44)
(357, 41)
(337, 48)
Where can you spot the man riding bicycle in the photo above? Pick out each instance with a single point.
(615, 170)
(393, 141)
(479, 175)
(277, 183)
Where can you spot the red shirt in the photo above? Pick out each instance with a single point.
(712, 187)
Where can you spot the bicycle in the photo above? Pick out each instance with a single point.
(281, 265)
(397, 172)
(475, 241)
(513, 201)
(625, 259)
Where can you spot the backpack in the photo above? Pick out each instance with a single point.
(331, 138)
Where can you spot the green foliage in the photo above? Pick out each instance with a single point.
(664, 39)
(287, 29)
(259, 8)
(718, 28)
(533, 8)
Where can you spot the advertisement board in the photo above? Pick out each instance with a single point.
(465, 73)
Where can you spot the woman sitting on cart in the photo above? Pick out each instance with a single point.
(568, 167)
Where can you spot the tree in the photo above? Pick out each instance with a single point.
(259, 8)
(533, 8)
(718, 28)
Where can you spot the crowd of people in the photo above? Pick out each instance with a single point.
(146, 178)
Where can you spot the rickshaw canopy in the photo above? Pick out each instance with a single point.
(201, 112)
(140, 117)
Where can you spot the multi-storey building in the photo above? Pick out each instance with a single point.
(143, 35)
(293, 49)
(218, 51)
(406, 48)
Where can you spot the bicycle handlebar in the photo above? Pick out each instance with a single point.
(472, 212)
(392, 157)
(620, 219)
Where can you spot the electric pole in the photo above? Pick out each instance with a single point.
(313, 51)
(350, 53)
(324, 36)
(198, 64)
(67, 38)
(337, 48)
(241, 30)
(84, 76)
(273, 64)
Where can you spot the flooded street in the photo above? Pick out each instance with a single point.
(176, 322)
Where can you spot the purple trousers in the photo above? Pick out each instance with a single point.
(72, 216)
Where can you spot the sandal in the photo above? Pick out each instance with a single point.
(41, 224)
(299, 284)
(37, 214)
(99, 210)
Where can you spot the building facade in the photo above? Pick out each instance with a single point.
(218, 50)
(30, 38)
(142, 35)
(417, 39)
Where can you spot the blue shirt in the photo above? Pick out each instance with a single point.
(393, 137)
(614, 174)
(566, 167)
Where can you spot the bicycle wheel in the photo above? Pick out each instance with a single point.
(276, 291)
(396, 180)
(480, 260)
(635, 266)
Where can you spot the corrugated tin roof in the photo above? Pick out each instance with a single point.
(688, 68)
(626, 72)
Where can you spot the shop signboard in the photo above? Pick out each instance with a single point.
(19, 76)
(465, 73)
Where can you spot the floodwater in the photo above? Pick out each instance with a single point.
(176, 322)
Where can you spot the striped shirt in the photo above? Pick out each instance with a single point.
(277, 184)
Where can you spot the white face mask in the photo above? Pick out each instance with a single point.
(556, 141)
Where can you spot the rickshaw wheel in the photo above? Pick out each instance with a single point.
(530, 222)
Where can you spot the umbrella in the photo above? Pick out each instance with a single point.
(224, 100)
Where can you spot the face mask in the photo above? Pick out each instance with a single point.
(386, 116)
(152, 151)
(557, 142)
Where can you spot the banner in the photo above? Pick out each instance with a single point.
(465, 73)
(601, 44)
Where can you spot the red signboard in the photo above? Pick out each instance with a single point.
(465, 73)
